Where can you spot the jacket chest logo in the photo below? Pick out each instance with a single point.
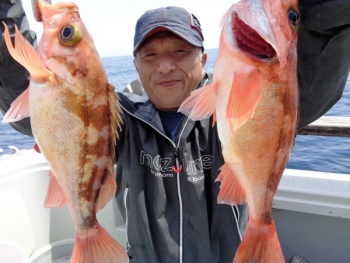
(165, 167)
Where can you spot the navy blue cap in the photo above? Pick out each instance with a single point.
(171, 18)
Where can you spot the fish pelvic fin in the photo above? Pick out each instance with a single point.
(244, 98)
(55, 196)
(259, 244)
(97, 246)
(201, 103)
(19, 108)
(231, 192)
(25, 54)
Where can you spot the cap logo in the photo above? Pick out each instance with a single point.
(196, 25)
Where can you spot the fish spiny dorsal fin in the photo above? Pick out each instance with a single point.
(115, 116)
(26, 55)
(108, 185)
(244, 97)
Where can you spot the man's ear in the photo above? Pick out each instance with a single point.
(204, 59)
(135, 65)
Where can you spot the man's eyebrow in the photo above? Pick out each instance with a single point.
(176, 43)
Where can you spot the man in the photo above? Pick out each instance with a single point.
(166, 163)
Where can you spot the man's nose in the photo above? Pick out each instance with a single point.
(166, 64)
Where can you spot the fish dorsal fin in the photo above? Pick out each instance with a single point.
(107, 189)
(25, 54)
(201, 103)
(19, 108)
(244, 98)
(108, 184)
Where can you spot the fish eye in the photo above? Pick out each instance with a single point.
(70, 35)
(294, 18)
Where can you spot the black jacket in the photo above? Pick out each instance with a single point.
(167, 191)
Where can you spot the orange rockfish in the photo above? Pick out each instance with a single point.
(254, 97)
(74, 116)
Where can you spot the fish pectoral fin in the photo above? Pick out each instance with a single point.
(201, 103)
(231, 192)
(107, 190)
(55, 196)
(26, 55)
(244, 98)
(19, 108)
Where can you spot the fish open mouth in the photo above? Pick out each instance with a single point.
(250, 42)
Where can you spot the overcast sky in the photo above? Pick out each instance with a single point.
(112, 22)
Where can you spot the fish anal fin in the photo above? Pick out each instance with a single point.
(19, 108)
(97, 246)
(55, 196)
(25, 54)
(244, 98)
(201, 103)
(107, 189)
(231, 192)
(259, 244)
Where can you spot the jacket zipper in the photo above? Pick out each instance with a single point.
(126, 219)
(177, 170)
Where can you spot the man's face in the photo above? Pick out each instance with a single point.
(169, 69)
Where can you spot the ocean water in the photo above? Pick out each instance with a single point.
(317, 153)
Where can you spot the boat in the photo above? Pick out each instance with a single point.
(311, 210)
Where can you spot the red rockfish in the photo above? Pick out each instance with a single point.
(255, 101)
(74, 116)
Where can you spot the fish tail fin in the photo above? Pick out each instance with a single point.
(201, 103)
(231, 192)
(259, 244)
(25, 54)
(244, 97)
(19, 108)
(55, 196)
(97, 246)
